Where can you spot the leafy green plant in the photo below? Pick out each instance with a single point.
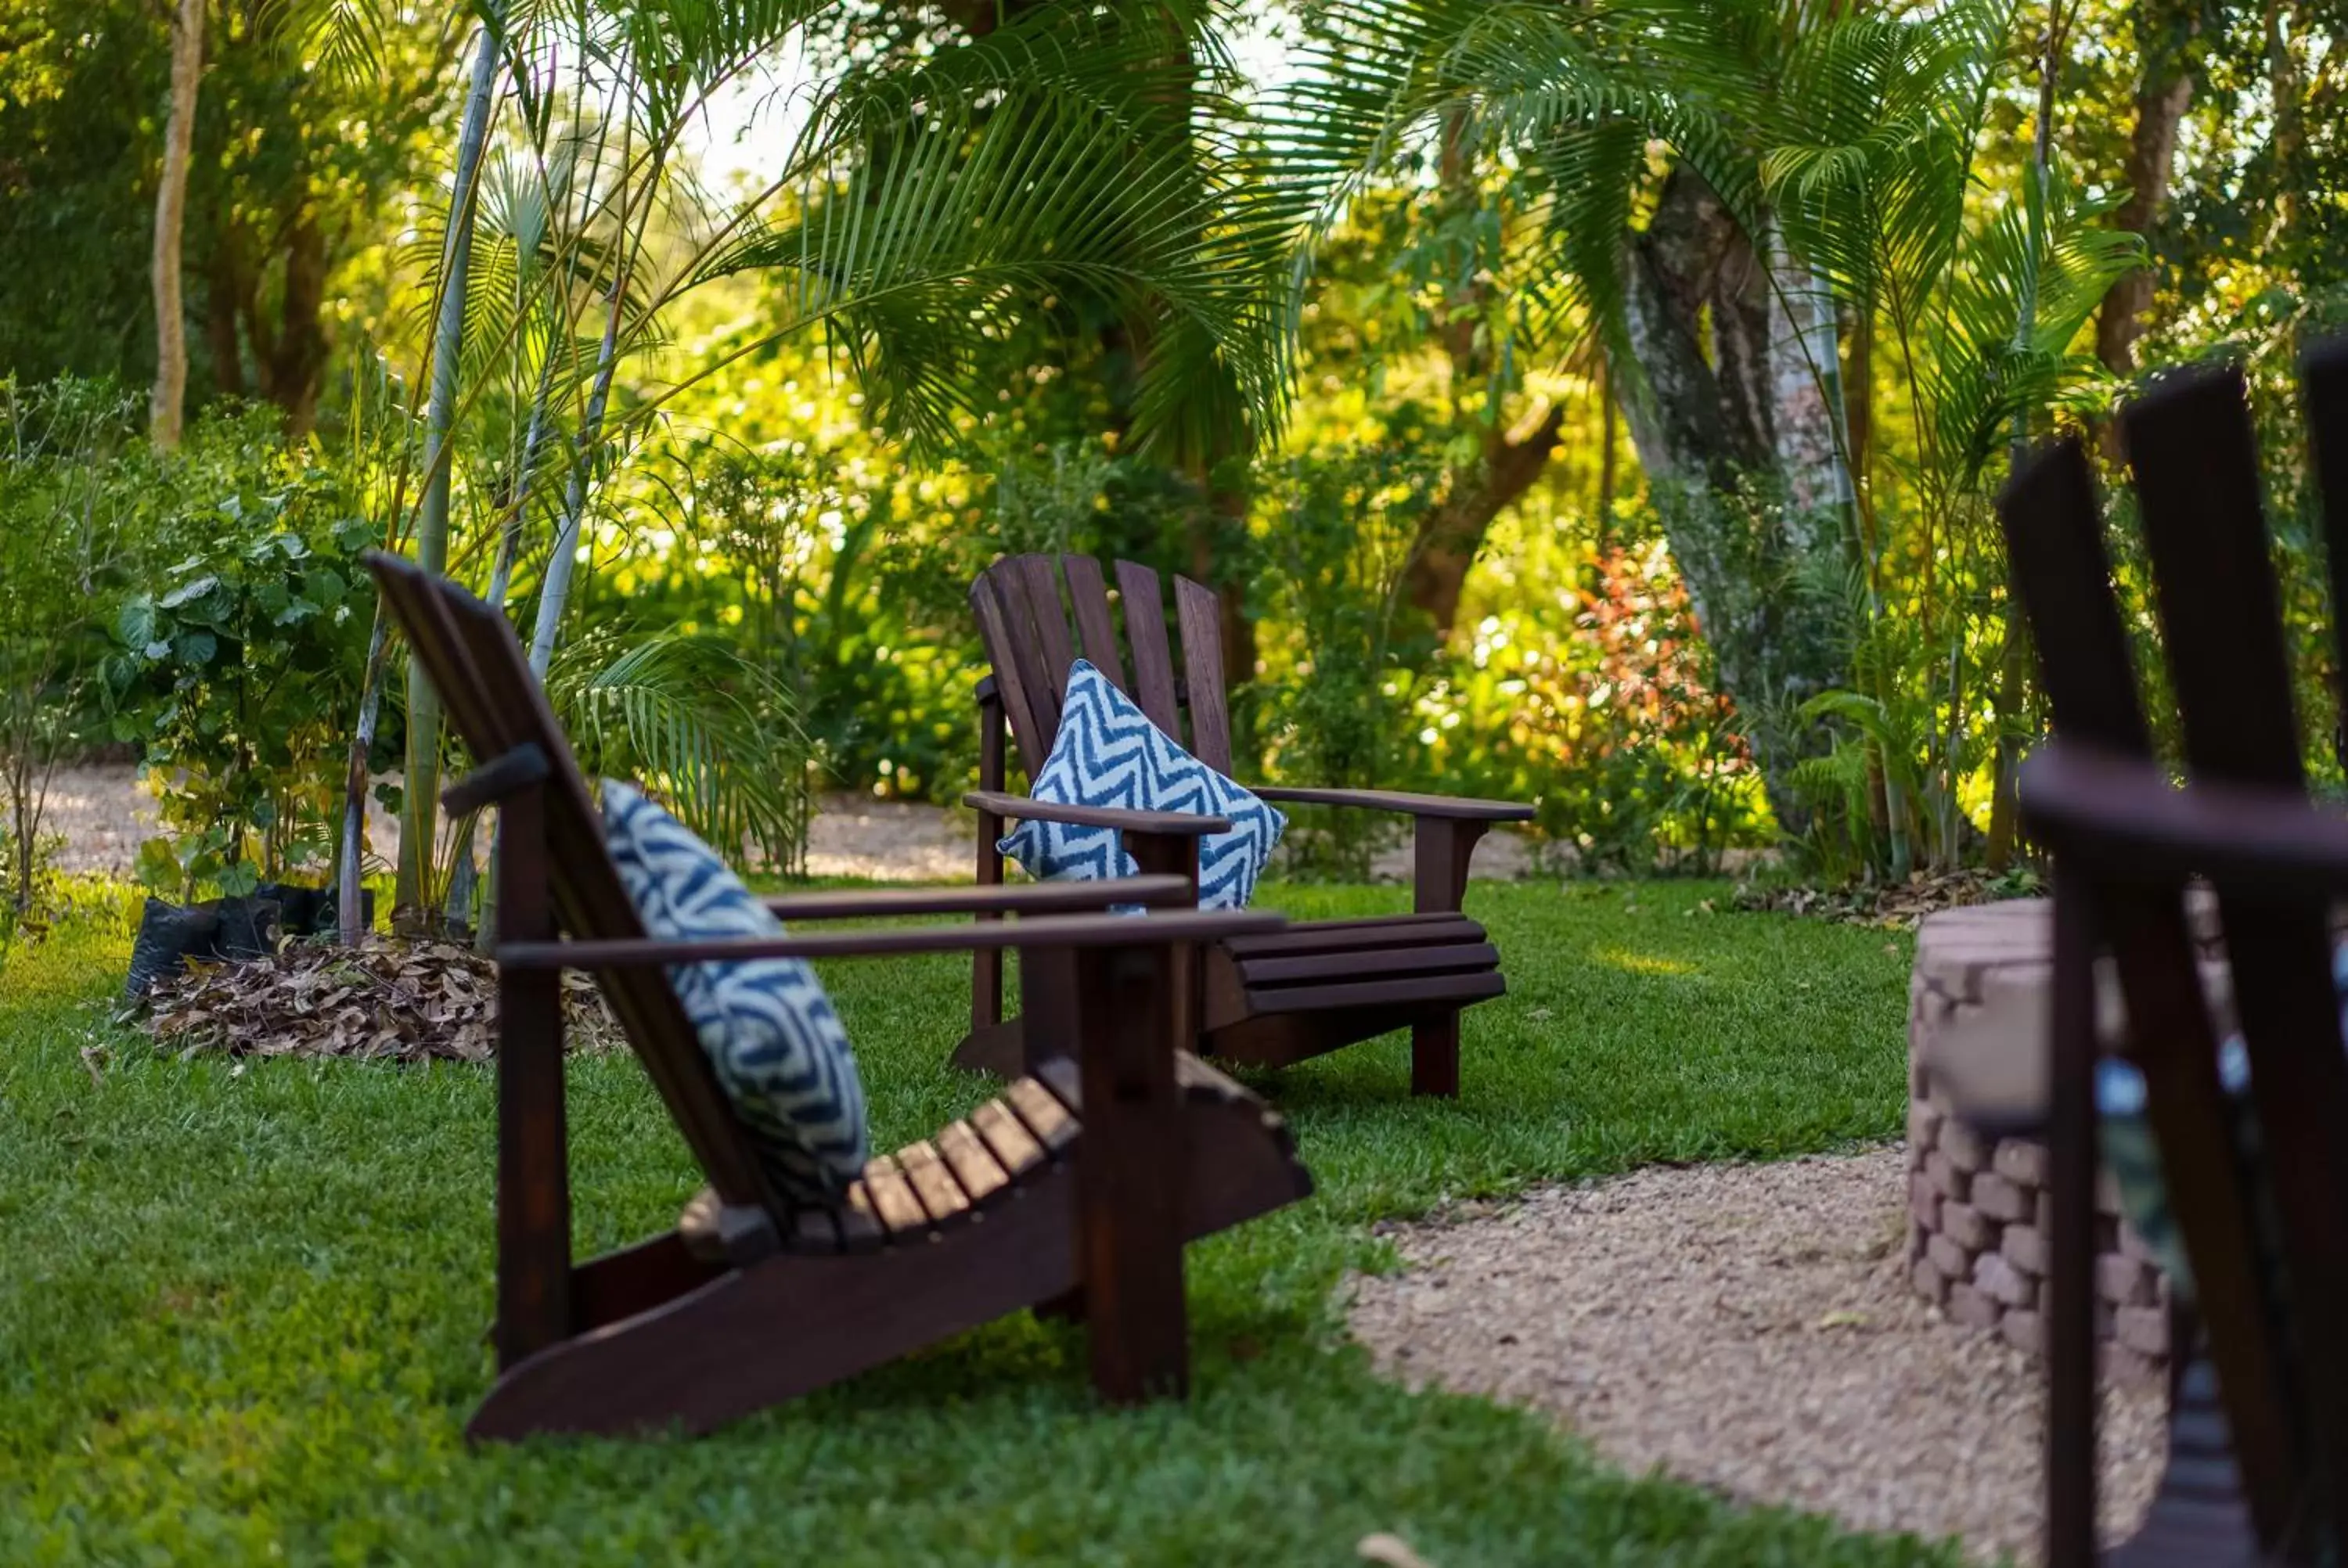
(1595, 702)
(235, 671)
(72, 475)
(1338, 712)
(713, 733)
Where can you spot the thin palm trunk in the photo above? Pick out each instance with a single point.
(349, 905)
(421, 815)
(554, 594)
(464, 881)
(2014, 657)
(171, 394)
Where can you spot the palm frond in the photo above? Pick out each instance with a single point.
(714, 736)
(1064, 157)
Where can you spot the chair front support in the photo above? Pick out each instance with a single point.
(1133, 1016)
(986, 965)
(2070, 1435)
(533, 1199)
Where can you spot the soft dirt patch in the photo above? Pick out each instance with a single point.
(1747, 1328)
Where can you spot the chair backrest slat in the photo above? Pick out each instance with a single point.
(2195, 453)
(1145, 634)
(475, 661)
(2053, 533)
(1041, 682)
(1089, 596)
(1201, 620)
(1054, 649)
(988, 601)
(2054, 539)
(2326, 381)
(1026, 629)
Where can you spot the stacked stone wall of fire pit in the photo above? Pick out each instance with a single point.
(1977, 1217)
(1977, 1209)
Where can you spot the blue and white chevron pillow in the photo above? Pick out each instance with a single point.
(777, 1046)
(1108, 753)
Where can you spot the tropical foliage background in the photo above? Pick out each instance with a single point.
(1595, 402)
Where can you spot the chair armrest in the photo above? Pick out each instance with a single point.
(1025, 898)
(1171, 824)
(1408, 804)
(2123, 817)
(1181, 925)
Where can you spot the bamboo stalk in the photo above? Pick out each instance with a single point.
(420, 809)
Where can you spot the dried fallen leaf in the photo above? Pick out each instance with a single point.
(1392, 1551)
(403, 1001)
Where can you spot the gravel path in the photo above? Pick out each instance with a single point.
(1747, 1328)
(103, 814)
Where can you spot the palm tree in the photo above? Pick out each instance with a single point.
(1820, 158)
(925, 203)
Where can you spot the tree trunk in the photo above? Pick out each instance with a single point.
(170, 403)
(222, 302)
(295, 369)
(1858, 412)
(1451, 534)
(1703, 411)
(1806, 396)
(2284, 90)
(420, 818)
(1610, 420)
(2164, 92)
(1507, 463)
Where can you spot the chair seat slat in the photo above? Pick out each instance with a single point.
(982, 1175)
(1043, 1114)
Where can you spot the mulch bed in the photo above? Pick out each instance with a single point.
(1889, 905)
(386, 1000)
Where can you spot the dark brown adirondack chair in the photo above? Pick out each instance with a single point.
(2257, 1468)
(1088, 1177)
(1265, 1000)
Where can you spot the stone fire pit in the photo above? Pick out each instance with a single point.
(1977, 1211)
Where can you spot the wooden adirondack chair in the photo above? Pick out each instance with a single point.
(2257, 1468)
(1266, 1000)
(1088, 1177)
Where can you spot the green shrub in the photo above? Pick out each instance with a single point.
(1598, 707)
(73, 476)
(239, 658)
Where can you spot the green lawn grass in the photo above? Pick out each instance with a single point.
(241, 1307)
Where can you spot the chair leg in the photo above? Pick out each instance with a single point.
(533, 1197)
(2070, 1326)
(1441, 852)
(1435, 1057)
(1130, 1175)
(986, 966)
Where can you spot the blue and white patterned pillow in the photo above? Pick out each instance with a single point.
(1108, 753)
(777, 1046)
